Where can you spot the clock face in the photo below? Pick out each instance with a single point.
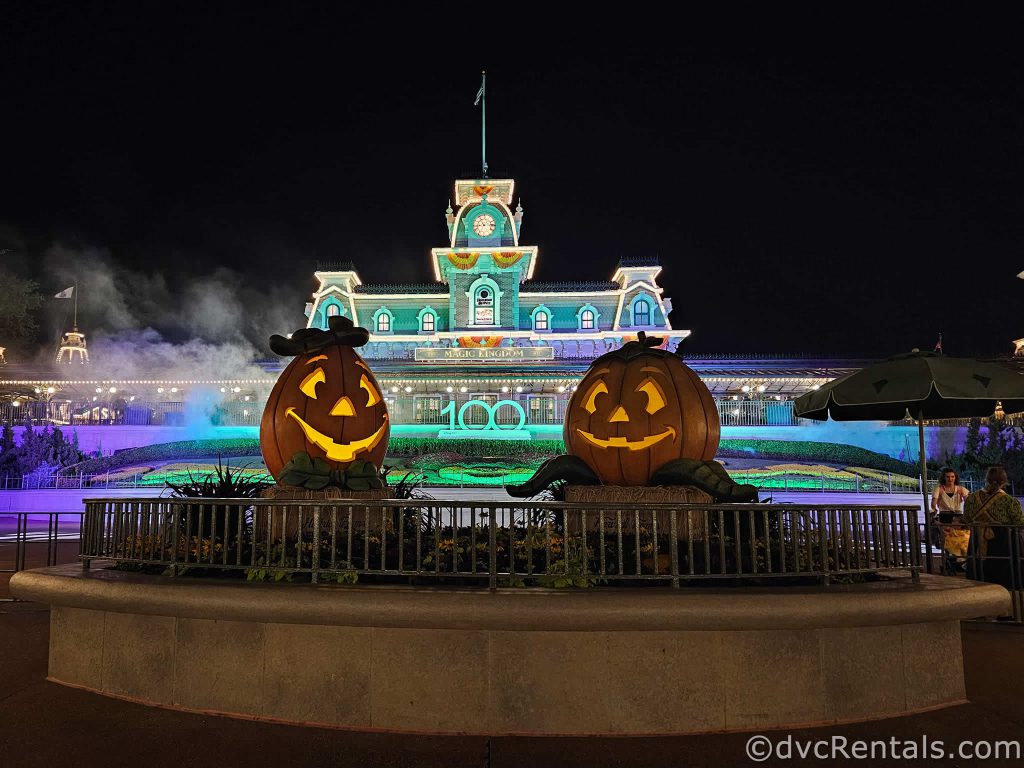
(484, 225)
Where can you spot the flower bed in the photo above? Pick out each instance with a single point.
(182, 449)
(806, 450)
(183, 472)
(518, 459)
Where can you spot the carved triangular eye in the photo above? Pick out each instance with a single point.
(655, 395)
(600, 388)
(308, 385)
(372, 395)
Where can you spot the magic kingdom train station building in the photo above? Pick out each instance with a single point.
(484, 350)
(488, 347)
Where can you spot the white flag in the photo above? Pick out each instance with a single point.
(1021, 275)
(479, 95)
(66, 293)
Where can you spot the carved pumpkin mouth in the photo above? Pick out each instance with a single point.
(338, 451)
(633, 445)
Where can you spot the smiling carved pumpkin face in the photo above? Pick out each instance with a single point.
(636, 409)
(327, 404)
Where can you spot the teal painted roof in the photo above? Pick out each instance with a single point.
(335, 266)
(535, 286)
(391, 288)
(640, 261)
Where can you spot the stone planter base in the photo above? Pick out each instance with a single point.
(690, 524)
(362, 517)
(518, 661)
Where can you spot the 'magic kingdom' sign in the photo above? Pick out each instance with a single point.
(462, 355)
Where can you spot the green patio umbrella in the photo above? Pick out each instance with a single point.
(925, 384)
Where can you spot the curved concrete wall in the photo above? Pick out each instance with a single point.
(522, 661)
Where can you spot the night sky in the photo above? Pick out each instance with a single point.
(835, 186)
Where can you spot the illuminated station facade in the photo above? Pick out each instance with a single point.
(486, 346)
(483, 350)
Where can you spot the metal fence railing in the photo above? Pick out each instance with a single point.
(848, 482)
(1008, 420)
(37, 540)
(995, 554)
(493, 544)
(499, 543)
(756, 413)
(124, 412)
(990, 552)
(538, 410)
(764, 480)
(112, 479)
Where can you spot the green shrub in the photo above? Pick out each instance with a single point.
(526, 451)
(805, 450)
(228, 448)
(416, 446)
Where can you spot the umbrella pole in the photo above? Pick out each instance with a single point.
(924, 493)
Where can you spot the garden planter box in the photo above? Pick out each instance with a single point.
(363, 518)
(639, 495)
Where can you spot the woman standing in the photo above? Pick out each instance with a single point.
(989, 511)
(947, 508)
(948, 498)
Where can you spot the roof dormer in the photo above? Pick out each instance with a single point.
(643, 269)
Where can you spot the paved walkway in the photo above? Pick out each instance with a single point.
(44, 724)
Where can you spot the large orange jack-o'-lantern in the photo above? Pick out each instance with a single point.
(637, 409)
(326, 403)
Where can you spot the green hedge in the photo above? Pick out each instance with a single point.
(799, 450)
(805, 450)
(399, 447)
(416, 446)
(183, 449)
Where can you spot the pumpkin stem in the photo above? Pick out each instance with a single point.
(647, 341)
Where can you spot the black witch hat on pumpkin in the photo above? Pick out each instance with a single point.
(340, 332)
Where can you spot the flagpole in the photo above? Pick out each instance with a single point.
(483, 120)
(76, 306)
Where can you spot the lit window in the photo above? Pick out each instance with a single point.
(333, 310)
(484, 307)
(383, 323)
(428, 323)
(587, 319)
(540, 321)
(641, 313)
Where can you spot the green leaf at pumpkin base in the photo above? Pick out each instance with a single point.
(305, 472)
(317, 482)
(316, 474)
(710, 476)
